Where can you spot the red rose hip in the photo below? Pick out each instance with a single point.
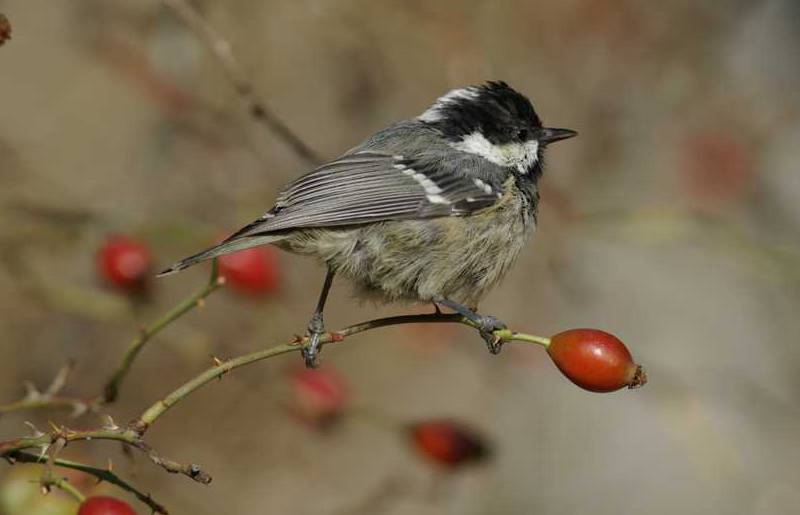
(448, 444)
(102, 505)
(125, 262)
(253, 271)
(5, 29)
(320, 395)
(595, 360)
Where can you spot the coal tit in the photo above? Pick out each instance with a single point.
(433, 209)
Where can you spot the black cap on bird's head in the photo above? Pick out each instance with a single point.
(495, 111)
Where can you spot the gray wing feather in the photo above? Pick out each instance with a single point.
(372, 186)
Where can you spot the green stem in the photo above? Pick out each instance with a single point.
(111, 390)
(509, 336)
(133, 433)
(101, 474)
(143, 423)
(62, 484)
(79, 405)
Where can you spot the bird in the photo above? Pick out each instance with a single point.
(432, 209)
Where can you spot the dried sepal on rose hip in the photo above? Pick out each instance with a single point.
(595, 360)
(254, 271)
(125, 262)
(104, 505)
(448, 443)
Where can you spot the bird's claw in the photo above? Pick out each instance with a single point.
(487, 326)
(310, 351)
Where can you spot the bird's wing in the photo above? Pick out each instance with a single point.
(372, 186)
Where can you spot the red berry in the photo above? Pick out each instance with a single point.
(102, 505)
(253, 271)
(595, 360)
(320, 395)
(125, 262)
(448, 443)
(5, 29)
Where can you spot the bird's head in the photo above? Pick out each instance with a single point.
(495, 122)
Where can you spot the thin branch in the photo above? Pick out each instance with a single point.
(78, 405)
(48, 481)
(222, 51)
(126, 435)
(34, 399)
(111, 390)
(132, 434)
(101, 474)
(220, 368)
(50, 398)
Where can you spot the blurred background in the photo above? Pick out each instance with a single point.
(673, 221)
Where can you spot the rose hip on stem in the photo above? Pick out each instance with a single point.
(320, 395)
(595, 360)
(102, 505)
(253, 271)
(5, 29)
(447, 443)
(125, 262)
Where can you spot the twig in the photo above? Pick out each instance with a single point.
(111, 390)
(220, 368)
(101, 474)
(34, 399)
(48, 481)
(126, 435)
(222, 51)
(132, 434)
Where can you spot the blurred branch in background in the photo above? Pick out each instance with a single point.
(222, 51)
(50, 398)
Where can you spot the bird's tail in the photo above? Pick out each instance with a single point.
(226, 247)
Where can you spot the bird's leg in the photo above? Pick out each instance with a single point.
(487, 324)
(316, 325)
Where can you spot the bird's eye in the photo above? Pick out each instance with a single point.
(522, 134)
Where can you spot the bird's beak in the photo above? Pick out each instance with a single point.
(549, 135)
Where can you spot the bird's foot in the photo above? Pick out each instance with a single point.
(487, 325)
(311, 350)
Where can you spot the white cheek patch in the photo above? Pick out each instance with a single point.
(432, 191)
(520, 156)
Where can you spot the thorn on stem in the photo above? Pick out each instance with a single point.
(109, 424)
(31, 392)
(34, 430)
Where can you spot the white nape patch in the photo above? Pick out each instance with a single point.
(520, 156)
(432, 191)
(432, 114)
